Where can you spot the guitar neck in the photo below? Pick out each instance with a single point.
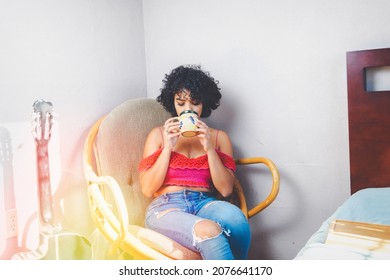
(44, 187)
(6, 162)
(9, 193)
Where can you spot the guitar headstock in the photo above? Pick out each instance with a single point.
(42, 121)
(5, 146)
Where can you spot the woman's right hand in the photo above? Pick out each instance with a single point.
(171, 132)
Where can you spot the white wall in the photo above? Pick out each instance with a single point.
(281, 66)
(85, 57)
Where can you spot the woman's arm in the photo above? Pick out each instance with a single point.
(152, 179)
(223, 178)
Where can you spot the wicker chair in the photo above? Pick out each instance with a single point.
(112, 151)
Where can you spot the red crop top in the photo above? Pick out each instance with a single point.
(184, 171)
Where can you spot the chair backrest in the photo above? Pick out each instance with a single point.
(119, 147)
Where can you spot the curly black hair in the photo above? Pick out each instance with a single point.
(202, 87)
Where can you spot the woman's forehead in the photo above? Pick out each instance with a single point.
(183, 95)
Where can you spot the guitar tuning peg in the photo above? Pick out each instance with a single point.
(48, 125)
(36, 125)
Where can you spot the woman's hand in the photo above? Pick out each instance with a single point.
(171, 132)
(204, 135)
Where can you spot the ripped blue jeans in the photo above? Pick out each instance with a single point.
(176, 214)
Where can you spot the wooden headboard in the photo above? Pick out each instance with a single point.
(369, 122)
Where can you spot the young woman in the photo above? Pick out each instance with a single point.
(185, 173)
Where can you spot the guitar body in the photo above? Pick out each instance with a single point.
(54, 242)
(11, 246)
(59, 246)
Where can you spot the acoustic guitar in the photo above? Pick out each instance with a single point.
(11, 218)
(55, 243)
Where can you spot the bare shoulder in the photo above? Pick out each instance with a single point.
(223, 142)
(153, 141)
(155, 132)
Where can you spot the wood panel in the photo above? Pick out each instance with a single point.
(369, 122)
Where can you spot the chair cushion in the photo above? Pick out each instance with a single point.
(120, 144)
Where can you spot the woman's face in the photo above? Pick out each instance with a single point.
(184, 102)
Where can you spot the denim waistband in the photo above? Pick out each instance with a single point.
(187, 193)
(188, 200)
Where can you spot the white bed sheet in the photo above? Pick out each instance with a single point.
(370, 205)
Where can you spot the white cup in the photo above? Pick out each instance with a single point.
(187, 120)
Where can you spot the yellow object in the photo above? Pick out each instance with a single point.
(359, 235)
(112, 151)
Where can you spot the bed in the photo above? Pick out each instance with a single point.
(360, 227)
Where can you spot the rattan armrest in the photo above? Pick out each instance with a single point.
(275, 183)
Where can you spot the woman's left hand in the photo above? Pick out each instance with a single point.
(204, 135)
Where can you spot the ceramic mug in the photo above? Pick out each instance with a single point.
(187, 120)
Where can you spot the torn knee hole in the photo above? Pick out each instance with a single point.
(206, 229)
(162, 213)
